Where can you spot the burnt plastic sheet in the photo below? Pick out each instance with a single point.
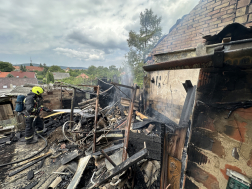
(139, 125)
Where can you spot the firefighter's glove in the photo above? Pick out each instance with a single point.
(47, 109)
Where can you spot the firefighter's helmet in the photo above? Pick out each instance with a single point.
(37, 90)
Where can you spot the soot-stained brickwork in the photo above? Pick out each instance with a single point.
(209, 17)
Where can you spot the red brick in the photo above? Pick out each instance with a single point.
(243, 3)
(240, 11)
(210, 27)
(215, 22)
(202, 26)
(228, 15)
(219, 14)
(227, 19)
(181, 28)
(211, 20)
(199, 30)
(178, 37)
(228, 8)
(231, 11)
(225, 23)
(199, 11)
(208, 4)
(214, 5)
(250, 18)
(221, 6)
(232, 2)
(206, 12)
(192, 29)
(176, 42)
(204, 19)
(241, 19)
(198, 24)
(214, 12)
(216, 29)
(250, 8)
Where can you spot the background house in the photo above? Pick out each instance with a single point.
(34, 68)
(83, 76)
(4, 74)
(21, 74)
(17, 68)
(12, 82)
(67, 69)
(18, 74)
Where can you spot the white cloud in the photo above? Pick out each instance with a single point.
(81, 55)
(90, 31)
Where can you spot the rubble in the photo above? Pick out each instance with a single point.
(92, 146)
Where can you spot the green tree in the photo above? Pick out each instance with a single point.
(49, 78)
(31, 64)
(6, 67)
(10, 75)
(142, 43)
(149, 34)
(91, 70)
(40, 65)
(55, 68)
(23, 68)
(72, 80)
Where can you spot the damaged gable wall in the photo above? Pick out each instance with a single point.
(207, 18)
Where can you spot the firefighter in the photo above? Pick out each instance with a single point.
(32, 105)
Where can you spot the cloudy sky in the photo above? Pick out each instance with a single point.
(77, 32)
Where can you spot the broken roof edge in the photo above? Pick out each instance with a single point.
(200, 50)
(177, 51)
(200, 61)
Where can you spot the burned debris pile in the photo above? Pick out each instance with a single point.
(105, 143)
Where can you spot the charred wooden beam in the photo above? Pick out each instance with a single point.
(126, 102)
(96, 116)
(120, 168)
(115, 147)
(108, 158)
(126, 86)
(72, 107)
(87, 102)
(127, 129)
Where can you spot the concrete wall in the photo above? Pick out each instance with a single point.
(167, 92)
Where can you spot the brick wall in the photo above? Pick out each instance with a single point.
(207, 18)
